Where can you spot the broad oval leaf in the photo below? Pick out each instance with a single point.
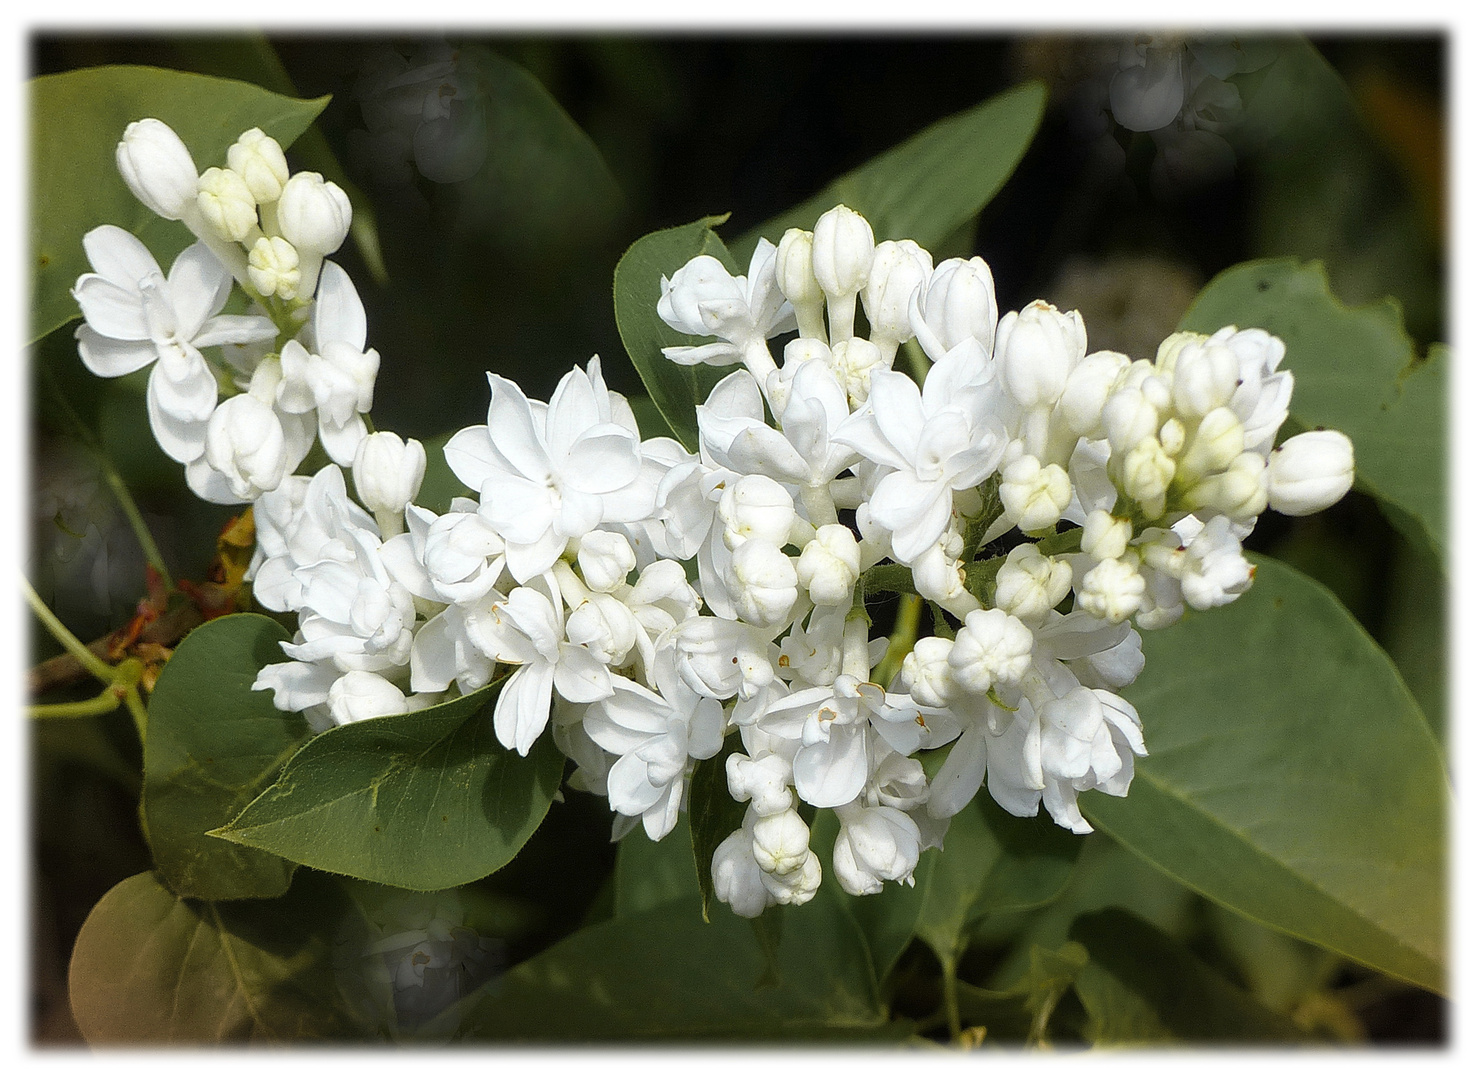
(424, 801)
(150, 968)
(213, 744)
(664, 973)
(1143, 987)
(77, 118)
(1355, 369)
(923, 189)
(1291, 777)
(676, 390)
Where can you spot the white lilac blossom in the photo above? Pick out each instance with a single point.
(566, 577)
(134, 316)
(549, 475)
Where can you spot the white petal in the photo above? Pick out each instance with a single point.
(522, 711)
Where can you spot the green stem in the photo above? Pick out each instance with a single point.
(136, 709)
(115, 483)
(84, 656)
(905, 633)
(951, 998)
(105, 702)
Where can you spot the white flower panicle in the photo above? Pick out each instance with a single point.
(299, 355)
(563, 575)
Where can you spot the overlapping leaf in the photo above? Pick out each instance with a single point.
(427, 800)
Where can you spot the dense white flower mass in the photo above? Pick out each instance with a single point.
(641, 603)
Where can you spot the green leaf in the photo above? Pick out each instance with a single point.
(213, 744)
(1355, 369)
(712, 814)
(78, 117)
(952, 880)
(666, 974)
(424, 801)
(676, 390)
(1105, 875)
(923, 189)
(150, 968)
(1035, 861)
(1141, 986)
(543, 186)
(1291, 777)
(649, 874)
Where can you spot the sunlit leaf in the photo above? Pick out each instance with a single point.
(427, 800)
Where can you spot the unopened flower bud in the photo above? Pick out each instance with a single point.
(226, 204)
(244, 442)
(1087, 390)
(991, 649)
(762, 581)
(360, 695)
(272, 267)
(781, 842)
(258, 159)
(313, 214)
(1112, 590)
(1205, 378)
(158, 168)
(388, 471)
(830, 564)
(1030, 584)
(605, 559)
(797, 887)
(1036, 349)
(605, 626)
(899, 269)
(926, 673)
(1034, 495)
(961, 304)
(1241, 493)
(1217, 441)
(1310, 472)
(1129, 419)
(1168, 354)
(842, 252)
(737, 880)
(875, 844)
(793, 270)
(1105, 536)
(1148, 471)
(756, 507)
(764, 781)
(1172, 436)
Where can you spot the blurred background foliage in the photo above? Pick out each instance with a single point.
(498, 179)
